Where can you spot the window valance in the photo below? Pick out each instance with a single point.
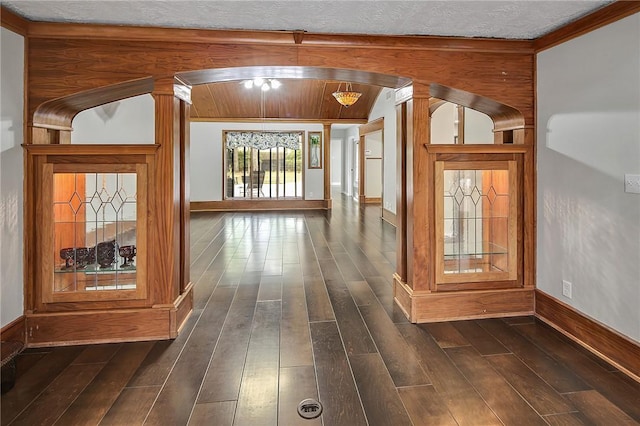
(264, 140)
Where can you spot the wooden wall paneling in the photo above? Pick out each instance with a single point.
(78, 68)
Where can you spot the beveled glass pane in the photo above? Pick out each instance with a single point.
(476, 221)
(95, 218)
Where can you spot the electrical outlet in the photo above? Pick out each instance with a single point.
(566, 289)
(632, 183)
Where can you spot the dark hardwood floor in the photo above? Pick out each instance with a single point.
(297, 305)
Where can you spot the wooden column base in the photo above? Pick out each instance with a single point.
(420, 307)
(109, 326)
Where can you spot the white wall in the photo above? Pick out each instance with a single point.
(336, 161)
(351, 137)
(385, 106)
(478, 127)
(588, 135)
(206, 158)
(130, 121)
(11, 176)
(443, 124)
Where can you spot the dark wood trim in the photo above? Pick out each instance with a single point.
(389, 217)
(276, 120)
(15, 330)
(605, 16)
(93, 150)
(183, 308)
(372, 126)
(13, 22)
(372, 200)
(258, 205)
(603, 341)
(478, 149)
(292, 38)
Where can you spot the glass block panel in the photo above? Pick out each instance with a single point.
(95, 218)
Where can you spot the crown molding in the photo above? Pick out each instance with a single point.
(293, 38)
(605, 16)
(13, 22)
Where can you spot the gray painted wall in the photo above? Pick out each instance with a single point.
(588, 136)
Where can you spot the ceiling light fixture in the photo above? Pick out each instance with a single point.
(262, 83)
(347, 97)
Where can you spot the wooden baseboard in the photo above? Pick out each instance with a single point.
(259, 205)
(14, 331)
(184, 307)
(606, 343)
(389, 217)
(462, 305)
(372, 200)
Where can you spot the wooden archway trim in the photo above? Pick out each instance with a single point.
(504, 116)
(58, 113)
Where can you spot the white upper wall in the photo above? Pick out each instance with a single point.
(385, 107)
(129, 121)
(11, 176)
(478, 127)
(588, 135)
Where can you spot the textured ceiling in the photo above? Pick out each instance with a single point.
(520, 19)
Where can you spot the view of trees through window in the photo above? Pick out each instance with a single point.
(264, 173)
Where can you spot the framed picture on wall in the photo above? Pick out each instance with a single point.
(315, 150)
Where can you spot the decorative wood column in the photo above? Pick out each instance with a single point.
(170, 225)
(401, 193)
(326, 137)
(424, 290)
(413, 270)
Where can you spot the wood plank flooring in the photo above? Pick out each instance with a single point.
(296, 305)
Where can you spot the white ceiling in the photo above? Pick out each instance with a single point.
(516, 19)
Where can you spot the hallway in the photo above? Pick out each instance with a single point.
(295, 305)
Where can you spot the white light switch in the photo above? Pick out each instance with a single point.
(632, 183)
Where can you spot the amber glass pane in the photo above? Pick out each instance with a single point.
(95, 217)
(476, 221)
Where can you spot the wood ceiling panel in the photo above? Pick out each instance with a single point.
(296, 99)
